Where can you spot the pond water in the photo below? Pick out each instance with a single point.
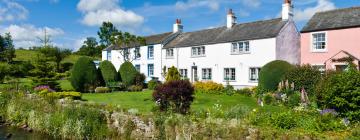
(19, 134)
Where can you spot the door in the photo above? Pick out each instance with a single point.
(194, 74)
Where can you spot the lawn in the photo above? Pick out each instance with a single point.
(143, 102)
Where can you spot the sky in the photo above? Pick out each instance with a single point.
(70, 22)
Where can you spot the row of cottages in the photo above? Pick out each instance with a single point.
(331, 38)
(231, 54)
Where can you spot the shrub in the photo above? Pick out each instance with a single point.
(341, 92)
(135, 88)
(268, 99)
(229, 90)
(272, 73)
(116, 86)
(21, 69)
(4, 70)
(304, 77)
(208, 87)
(108, 71)
(102, 90)
(172, 74)
(61, 95)
(245, 91)
(294, 99)
(66, 66)
(284, 120)
(176, 95)
(139, 79)
(84, 75)
(127, 73)
(152, 84)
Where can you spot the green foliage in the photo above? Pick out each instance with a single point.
(341, 91)
(127, 73)
(84, 75)
(268, 98)
(284, 120)
(116, 86)
(7, 48)
(294, 99)
(172, 74)
(139, 79)
(105, 32)
(304, 77)
(4, 70)
(21, 68)
(152, 84)
(272, 73)
(245, 91)
(135, 88)
(108, 72)
(175, 95)
(91, 48)
(61, 95)
(102, 90)
(229, 90)
(209, 87)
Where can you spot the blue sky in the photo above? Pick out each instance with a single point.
(69, 22)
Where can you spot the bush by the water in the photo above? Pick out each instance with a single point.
(341, 91)
(108, 72)
(172, 74)
(272, 74)
(102, 90)
(128, 73)
(175, 95)
(305, 77)
(209, 87)
(84, 75)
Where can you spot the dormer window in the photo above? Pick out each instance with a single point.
(240, 47)
(319, 42)
(169, 53)
(198, 51)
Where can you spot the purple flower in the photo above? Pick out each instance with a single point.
(328, 111)
(43, 87)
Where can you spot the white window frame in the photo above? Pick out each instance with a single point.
(241, 47)
(150, 52)
(206, 74)
(312, 43)
(108, 55)
(183, 74)
(169, 53)
(257, 73)
(230, 74)
(151, 73)
(198, 51)
(137, 54)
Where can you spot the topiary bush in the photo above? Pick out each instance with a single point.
(304, 77)
(127, 73)
(272, 74)
(84, 75)
(341, 91)
(108, 72)
(172, 74)
(174, 95)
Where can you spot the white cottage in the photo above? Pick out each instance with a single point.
(231, 54)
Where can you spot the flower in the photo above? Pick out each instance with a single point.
(328, 111)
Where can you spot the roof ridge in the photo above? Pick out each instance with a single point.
(158, 34)
(339, 9)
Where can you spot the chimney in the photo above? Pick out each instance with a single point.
(231, 19)
(287, 10)
(178, 27)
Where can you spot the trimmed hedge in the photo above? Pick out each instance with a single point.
(84, 75)
(108, 72)
(272, 74)
(128, 73)
(304, 77)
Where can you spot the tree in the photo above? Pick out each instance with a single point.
(106, 31)
(55, 54)
(108, 72)
(4, 70)
(127, 73)
(2, 48)
(9, 49)
(84, 75)
(89, 48)
(44, 72)
(172, 74)
(125, 41)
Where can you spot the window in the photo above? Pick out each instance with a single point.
(137, 67)
(150, 70)
(126, 54)
(169, 53)
(108, 55)
(240, 47)
(137, 53)
(183, 74)
(254, 74)
(321, 68)
(229, 74)
(206, 74)
(319, 41)
(150, 52)
(198, 51)
(341, 67)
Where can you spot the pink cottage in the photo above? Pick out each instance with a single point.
(332, 38)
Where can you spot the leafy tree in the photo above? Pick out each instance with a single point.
(89, 48)
(55, 54)
(2, 48)
(272, 74)
(127, 73)
(44, 72)
(9, 53)
(84, 75)
(106, 31)
(108, 72)
(126, 40)
(173, 74)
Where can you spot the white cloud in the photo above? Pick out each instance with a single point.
(212, 4)
(10, 11)
(78, 44)
(98, 11)
(251, 3)
(27, 35)
(307, 13)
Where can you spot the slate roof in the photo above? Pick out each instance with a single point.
(150, 40)
(240, 32)
(334, 19)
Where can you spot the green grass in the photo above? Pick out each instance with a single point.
(144, 103)
(25, 55)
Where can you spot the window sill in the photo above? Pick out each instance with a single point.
(198, 56)
(169, 57)
(240, 53)
(253, 81)
(150, 58)
(229, 81)
(319, 51)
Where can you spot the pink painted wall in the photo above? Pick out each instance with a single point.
(337, 40)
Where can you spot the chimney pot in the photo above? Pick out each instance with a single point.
(287, 1)
(230, 12)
